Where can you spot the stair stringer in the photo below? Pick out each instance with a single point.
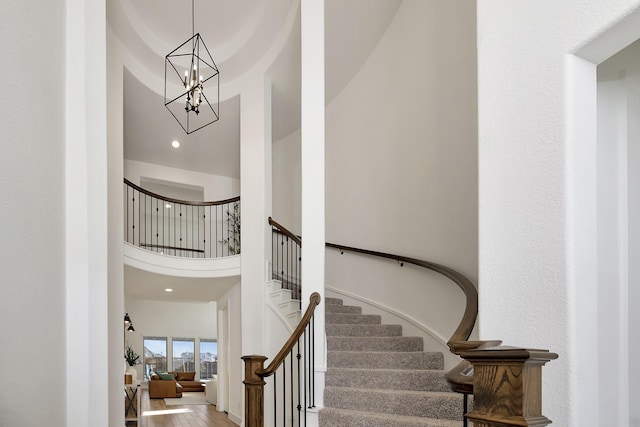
(282, 306)
(410, 326)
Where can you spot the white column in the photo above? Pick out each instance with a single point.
(87, 331)
(115, 160)
(255, 201)
(312, 151)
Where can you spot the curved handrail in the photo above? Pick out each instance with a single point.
(183, 202)
(466, 325)
(314, 300)
(286, 232)
(181, 228)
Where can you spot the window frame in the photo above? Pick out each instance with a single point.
(173, 355)
(204, 373)
(148, 369)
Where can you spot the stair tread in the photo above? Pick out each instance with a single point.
(353, 418)
(335, 308)
(430, 404)
(386, 391)
(352, 319)
(388, 379)
(385, 360)
(360, 330)
(394, 343)
(391, 370)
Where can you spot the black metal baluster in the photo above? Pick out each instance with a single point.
(304, 362)
(291, 381)
(145, 221)
(465, 406)
(193, 235)
(275, 401)
(133, 218)
(164, 233)
(216, 231)
(126, 224)
(312, 379)
(299, 267)
(157, 226)
(299, 407)
(284, 393)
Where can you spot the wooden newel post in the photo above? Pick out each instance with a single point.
(507, 386)
(253, 391)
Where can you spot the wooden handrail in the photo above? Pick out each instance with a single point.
(286, 232)
(314, 300)
(464, 329)
(182, 202)
(255, 373)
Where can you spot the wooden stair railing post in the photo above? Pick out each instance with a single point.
(253, 391)
(507, 386)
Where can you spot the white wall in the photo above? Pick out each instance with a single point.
(401, 168)
(171, 320)
(538, 192)
(287, 176)
(230, 366)
(32, 259)
(215, 187)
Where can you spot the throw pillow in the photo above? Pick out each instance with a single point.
(186, 376)
(165, 376)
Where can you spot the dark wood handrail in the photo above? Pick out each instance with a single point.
(286, 232)
(464, 329)
(314, 300)
(182, 202)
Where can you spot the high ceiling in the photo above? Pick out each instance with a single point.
(246, 39)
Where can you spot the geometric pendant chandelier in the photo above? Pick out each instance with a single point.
(189, 70)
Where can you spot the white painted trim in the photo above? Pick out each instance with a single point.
(279, 315)
(393, 312)
(235, 418)
(181, 267)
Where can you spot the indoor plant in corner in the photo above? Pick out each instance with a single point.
(132, 358)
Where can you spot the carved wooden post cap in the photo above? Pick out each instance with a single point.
(507, 386)
(253, 391)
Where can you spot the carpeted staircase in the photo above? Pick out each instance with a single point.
(378, 378)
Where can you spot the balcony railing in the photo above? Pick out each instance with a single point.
(181, 228)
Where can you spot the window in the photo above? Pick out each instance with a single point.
(155, 355)
(208, 358)
(184, 355)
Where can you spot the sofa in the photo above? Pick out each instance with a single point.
(163, 385)
(187, 381)
(172, 384)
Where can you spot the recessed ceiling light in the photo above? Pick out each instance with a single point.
(175, 143)
(168, 290)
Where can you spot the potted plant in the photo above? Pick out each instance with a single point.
(132, 358)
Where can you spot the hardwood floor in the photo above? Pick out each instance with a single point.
(156, 414)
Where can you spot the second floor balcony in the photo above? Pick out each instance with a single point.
(180, 228)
